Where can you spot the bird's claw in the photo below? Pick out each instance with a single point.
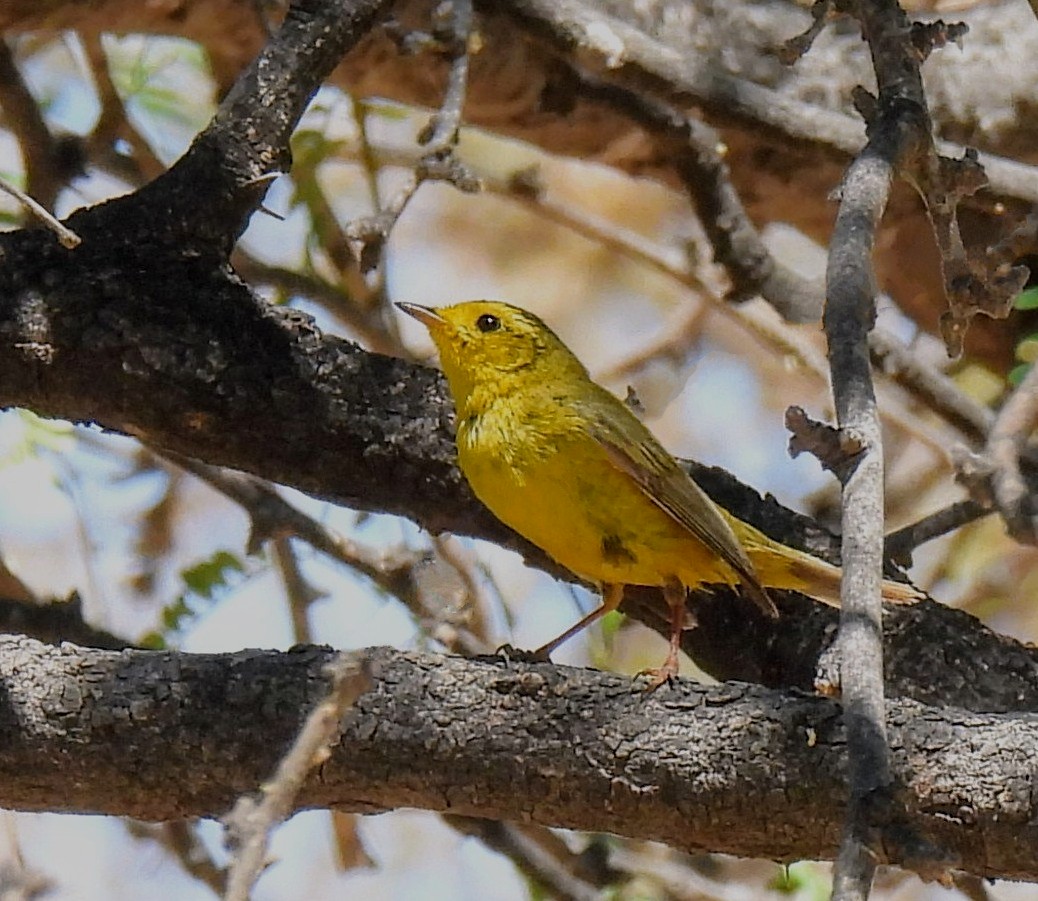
(520, 656)
(659, 675)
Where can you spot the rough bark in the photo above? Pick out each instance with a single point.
(161, 735)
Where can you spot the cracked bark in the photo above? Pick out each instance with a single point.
(161, 735)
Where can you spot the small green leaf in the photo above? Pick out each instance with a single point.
(1027, 300)
(1027, 349)
(205, 577)
(153, 641)
(175, 613)
(801, 878)
(1017, 373)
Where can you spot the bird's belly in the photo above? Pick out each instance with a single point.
(591, 518)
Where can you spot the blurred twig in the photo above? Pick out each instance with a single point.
(50, 163)
(368, 235)
(694, 149)
(113, 123)
(181, 839)
(530, 857)
(932, 386)
(250, 822)
(1009, 436)
(301, 594)
(66, 236)
(272, 517)
(898, 545)
(365, 323)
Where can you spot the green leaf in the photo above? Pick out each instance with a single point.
(205, 577)
(802, 878)
(153, 641)
(174, 614)
(1027, 349)
(1027, 300)
(1017, 373)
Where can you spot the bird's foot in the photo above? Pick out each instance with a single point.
(660, 675)
(520, 656)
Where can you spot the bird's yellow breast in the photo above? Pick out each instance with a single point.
(561, 492)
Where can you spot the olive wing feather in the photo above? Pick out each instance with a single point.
(632, 449)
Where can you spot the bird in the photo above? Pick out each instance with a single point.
(568, 466)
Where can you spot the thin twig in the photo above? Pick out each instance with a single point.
(301, 594)
(113, 123)
(19, 882)
(529, 856)
(272, 517)
(475, 603)
(1015, 423)
(679, 881)
(50, 163)
(368, 235)
(694, 151)
(441, 133)
(363, 322)
(181, 839)
(66, 236)
(250, 823)
(899, 544)
(931, 385)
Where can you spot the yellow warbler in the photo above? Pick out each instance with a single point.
(567, 465)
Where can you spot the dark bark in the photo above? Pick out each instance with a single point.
(161, 735)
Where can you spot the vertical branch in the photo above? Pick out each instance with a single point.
(847, 320)
(898, 126)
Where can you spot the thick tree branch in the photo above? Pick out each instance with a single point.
(161, 735)
(190, 361)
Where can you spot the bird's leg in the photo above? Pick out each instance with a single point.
(674, 593)
(612, 594)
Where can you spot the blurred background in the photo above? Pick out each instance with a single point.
(158, 556)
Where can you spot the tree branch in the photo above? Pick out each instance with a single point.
(162, 735)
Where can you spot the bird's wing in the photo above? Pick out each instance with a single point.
(632, 449)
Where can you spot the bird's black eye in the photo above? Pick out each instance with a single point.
(488, 323)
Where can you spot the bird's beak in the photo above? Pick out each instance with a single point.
(425, 315)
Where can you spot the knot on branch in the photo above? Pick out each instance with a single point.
(838, 450)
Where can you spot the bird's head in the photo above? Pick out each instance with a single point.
(490, 344)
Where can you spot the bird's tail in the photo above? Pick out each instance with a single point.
(780, 566)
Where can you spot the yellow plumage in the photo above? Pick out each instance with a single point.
(569, 467)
